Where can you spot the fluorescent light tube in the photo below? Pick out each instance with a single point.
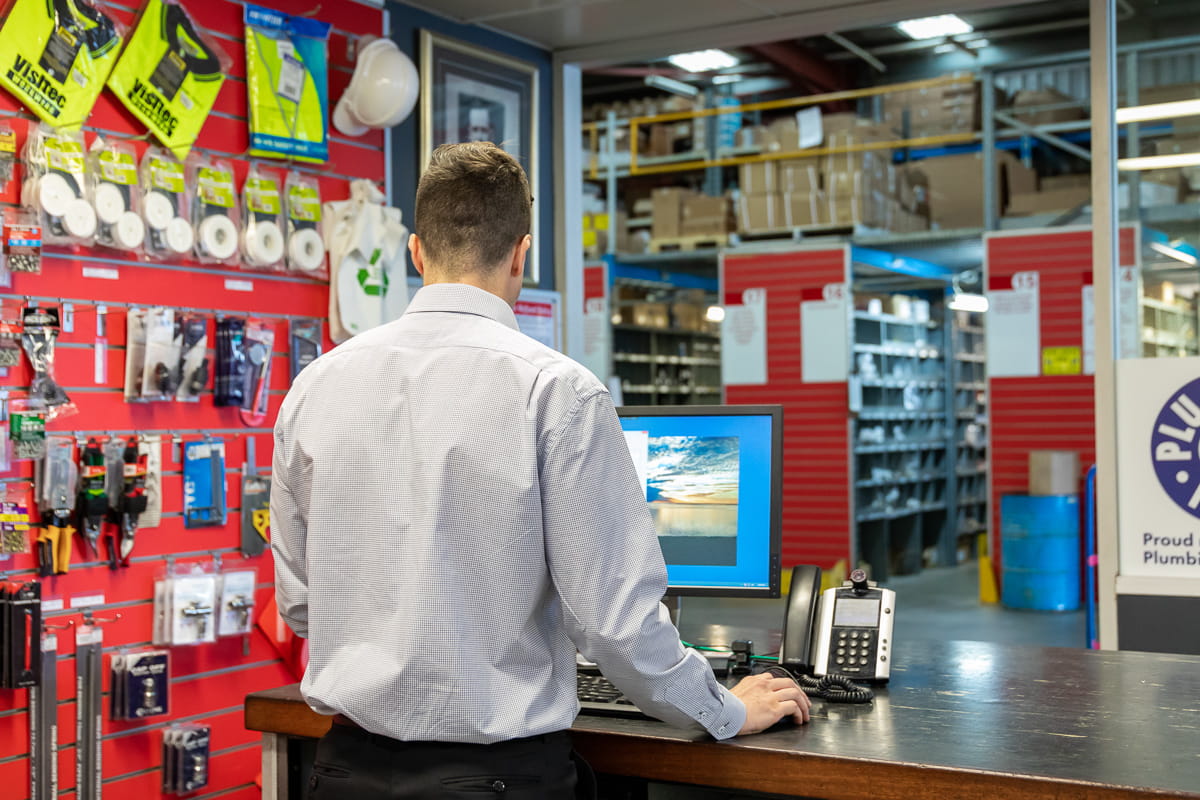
(1180, 108)
(965, 301)
(978, 44)
(934, 27)
(1174, 253)
(714, 314)
(942, 49)
(671, 85)
(1159, 162)
(703, 60)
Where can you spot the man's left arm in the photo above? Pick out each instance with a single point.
(289, 529)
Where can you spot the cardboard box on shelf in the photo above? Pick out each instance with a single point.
(760, 177)
(800, 175)
(1167, 94)
(668, 212)
(754, 136)
(1075, 181)
(800, 209)
(647, 315)
(660, 140)
(954, 187)
(688, 317)
(1053, 472)
(782, 136)
(1044, 107)
(704, 215)
(1047, 202)
(759, 212)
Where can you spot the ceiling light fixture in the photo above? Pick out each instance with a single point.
(967, 301)
(942, 49)
(1180, 108)
(714, 314)
(729, 78)
(1173, 250)
(671, 85)
(703, 60)
(934, 27)
(1159, 162)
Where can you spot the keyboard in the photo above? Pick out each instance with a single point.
(598, 696)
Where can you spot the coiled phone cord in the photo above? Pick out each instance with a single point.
(835, 688)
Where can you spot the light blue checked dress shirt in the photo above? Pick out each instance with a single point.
(454, 511)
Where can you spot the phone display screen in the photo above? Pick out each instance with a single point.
(856, 612)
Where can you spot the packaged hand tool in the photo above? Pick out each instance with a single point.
(204, 483)
(40, 327)
(57, 486)
(92, 506)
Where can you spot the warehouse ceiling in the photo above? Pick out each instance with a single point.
(853, 56)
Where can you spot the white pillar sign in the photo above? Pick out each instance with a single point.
(1158, 453)
(1014, 329)
(825, 336)
(744, 341)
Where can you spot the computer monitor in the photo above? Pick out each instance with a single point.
(713, 480)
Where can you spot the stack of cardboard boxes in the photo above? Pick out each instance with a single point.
(851, 188)
(682, 213)
(932, 110)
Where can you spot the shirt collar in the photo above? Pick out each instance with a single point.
(462, 298)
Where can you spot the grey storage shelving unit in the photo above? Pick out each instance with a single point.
(901, 469)
(969, 479)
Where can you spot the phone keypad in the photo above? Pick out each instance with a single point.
(854, 651)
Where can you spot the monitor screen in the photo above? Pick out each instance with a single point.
(712, 476)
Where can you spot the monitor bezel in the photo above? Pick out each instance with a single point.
(775, 412)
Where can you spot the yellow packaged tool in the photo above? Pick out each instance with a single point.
(287, 85)
(170, 74)
(57, 55)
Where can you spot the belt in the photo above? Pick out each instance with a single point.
(343, 721)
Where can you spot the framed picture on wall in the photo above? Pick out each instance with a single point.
(469, 93)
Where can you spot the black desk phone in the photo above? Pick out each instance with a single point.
(846, 630)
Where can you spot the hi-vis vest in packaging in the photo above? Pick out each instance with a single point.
(56, 55)
(170, 74)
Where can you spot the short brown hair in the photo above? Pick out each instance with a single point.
(473, 207)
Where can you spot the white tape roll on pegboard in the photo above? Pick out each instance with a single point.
(180, 237)
(79, 220)
(218, 237)
(306, 251)
(263, 243)
(110, 203)
(158, 210)
(54, 194)
(130, 231)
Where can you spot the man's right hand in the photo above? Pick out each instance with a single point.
(769, 699)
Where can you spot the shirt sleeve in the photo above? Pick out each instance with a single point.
(608, 569)
(290, 484)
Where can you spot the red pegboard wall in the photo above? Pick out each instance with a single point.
(816, 423)
(1050, 412)
(208, 683)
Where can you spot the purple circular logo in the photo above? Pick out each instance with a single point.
(1174, 448)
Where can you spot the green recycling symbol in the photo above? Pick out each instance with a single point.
(372, 279)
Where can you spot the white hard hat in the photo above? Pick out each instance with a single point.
(382, 91)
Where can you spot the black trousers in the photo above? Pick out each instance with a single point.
(353, 764)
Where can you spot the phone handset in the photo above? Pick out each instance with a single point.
(796, 648)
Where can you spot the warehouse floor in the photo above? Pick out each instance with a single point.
(941, 604)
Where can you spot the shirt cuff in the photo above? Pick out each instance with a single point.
(729, 720)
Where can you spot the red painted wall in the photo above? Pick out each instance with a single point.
(208, 682)
(1050, 412)
(816, 430)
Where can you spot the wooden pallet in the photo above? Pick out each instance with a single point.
(686, 243)
(797, 232)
